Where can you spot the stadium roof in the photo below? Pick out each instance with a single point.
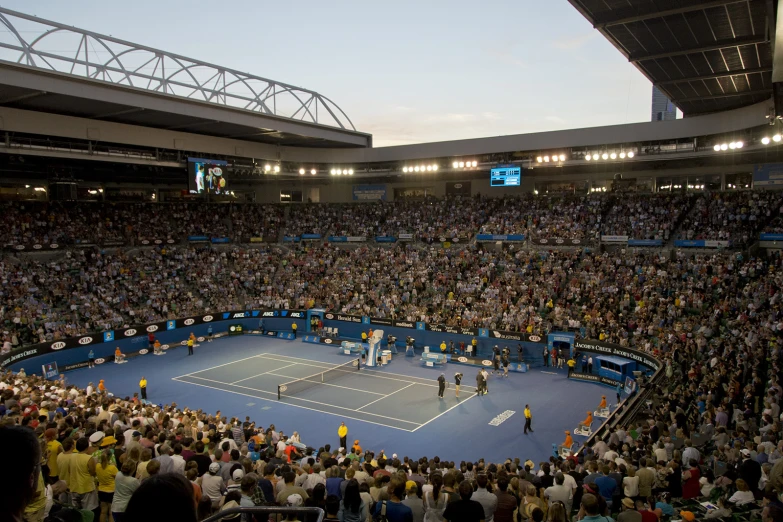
(50, 67)
(706, 56)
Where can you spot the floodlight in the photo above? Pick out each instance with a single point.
(765, 140)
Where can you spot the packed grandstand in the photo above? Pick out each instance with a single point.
(712, 434)
(111, 225)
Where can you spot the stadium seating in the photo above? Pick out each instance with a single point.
(714, 319)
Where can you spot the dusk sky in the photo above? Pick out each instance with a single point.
(404, 71)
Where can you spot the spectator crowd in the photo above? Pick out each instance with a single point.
(712, 431)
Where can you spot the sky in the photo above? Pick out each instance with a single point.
(404, 71)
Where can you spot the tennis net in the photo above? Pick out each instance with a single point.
(290, 389)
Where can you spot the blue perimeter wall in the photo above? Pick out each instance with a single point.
(532, 351)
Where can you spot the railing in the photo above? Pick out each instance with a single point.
(268, 510)
(51, 46)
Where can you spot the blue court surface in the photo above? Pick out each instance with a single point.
(394, 408)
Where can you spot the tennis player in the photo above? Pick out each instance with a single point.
(441, 385)
(457, 382)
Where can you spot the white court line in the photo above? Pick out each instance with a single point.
(389, 395)
(218, 366)
(376, 373)
(324, 384)
(445, 412)
(260, 374)
(297, 405)
(296, 398)
(550, 373)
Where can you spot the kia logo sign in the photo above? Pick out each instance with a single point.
(576, 241)
(130, 332)
(200, 339)
(170, 241)
(458, 185)
(283, 387)
(145, 242)
(152, 328)
(327, 341)
(486, 363)
(158, 241)
(544, 241)
(207, 318)
(58, 345)
(443, 240)
(462, 359)
(232, 328)
(330, 316)
(534, 338)
(164, 347)
(183, 343)
(85, 340)
(455, 240)
(19, 247)
(54, 245)
(188, 322)
(143, 351)
(100, 361)
(356, 362)
(37, 247)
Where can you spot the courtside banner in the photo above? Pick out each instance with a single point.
(619, 351)
(331, 316)
(500, 237)
(155, 241)
(516, 336)
(614, 239)
(383, 322)
(291, 239)
(557, 241)
(771, 237)
(311, 236)
(451, 329)
(645, 242)
(385, 239)
(35, 247)
(593, 378)
(405, 237)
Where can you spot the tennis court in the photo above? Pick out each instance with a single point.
(378, 397)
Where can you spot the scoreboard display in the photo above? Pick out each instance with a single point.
(505, 176)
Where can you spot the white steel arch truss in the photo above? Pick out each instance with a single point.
(47, 45)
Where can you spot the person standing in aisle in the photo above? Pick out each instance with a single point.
(457, 382)
(209, 334)
(546, 357)
(143, 388)
(619, 391)
(528, 419)
(91, 359)
(441, 385)
(190, 346)
(342, 431)
(293, 329)
(590, 364)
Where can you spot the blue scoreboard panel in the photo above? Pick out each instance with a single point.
(508, 176)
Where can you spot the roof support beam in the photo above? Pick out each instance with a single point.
(667, 12)
(23, 97)
(721, 44)
(777, 47)
(765, 92)
(118, 113)
(725, 74)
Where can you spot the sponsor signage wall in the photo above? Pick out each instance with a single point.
(310, 236)
(620, 351)
(35, 247)
(138, 334)
(768, 175)
(198, 239)
(614, 239)
(556, 241)
(500, 237)
(701, 243)
(594, 378)
(405, 237)
(458, 188)
(369, 192)
(385, 239)
(154, 241)
(771, 237)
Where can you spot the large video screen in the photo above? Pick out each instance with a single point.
(207, 176)
(505, 176)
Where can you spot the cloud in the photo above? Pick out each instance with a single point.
(576, 42)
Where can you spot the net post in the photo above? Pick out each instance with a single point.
(278, 392)
(358, 363)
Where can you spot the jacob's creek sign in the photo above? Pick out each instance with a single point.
(620, 351)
